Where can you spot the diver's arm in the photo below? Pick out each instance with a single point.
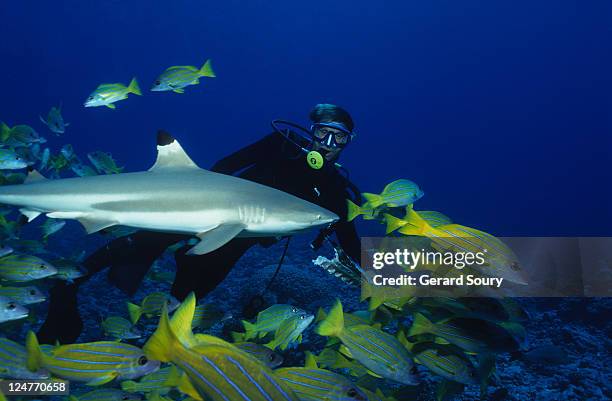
(348, 239)
(248, 155)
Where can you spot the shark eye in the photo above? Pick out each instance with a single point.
(157, 82)
(142, 360)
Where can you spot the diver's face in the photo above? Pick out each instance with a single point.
(328, 151)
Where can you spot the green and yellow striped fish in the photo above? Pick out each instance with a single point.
(445, 360)
(155, 381)
(269, 320)
(93, 363)
(213, 371)
(152, 305)
(500, 260)
(180, 76)
(107, 94)
(20, 268)
(380, 352)
(13, 357)
(313, 384)
(120, 328)
(290, 331)
(23, 295)
(206, 315)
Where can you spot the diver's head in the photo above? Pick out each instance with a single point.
(332, 130)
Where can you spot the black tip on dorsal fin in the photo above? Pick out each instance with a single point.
(164, 138)
(29, 169)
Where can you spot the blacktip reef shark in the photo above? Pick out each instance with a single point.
(175, 195)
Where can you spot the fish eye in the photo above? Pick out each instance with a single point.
(271, 357)
(302, 317)
(42, 267)
(11, 306)
(414, 370)
(142, 360)
(351, 392)
(125, 397)
(168, 302)
(32, 292)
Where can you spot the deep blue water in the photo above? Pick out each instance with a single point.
(499, 110)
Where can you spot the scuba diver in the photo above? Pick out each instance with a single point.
(302, 162)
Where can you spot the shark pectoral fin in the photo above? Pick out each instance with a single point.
(94, 225)
(215, 238)
(30, 214)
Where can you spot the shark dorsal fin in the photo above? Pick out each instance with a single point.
(33, 176)
(170, 154)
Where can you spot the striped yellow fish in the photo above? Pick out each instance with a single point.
(215, 371)
(269, 320)
(152, 305)
(314, 384)
(19, 268)
(500, 260)
(178, 77)
(155, 381)
(380, 352)
(93, 363)
(107, 94)
(23, 295)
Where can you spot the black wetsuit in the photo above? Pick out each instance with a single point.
(272, 161)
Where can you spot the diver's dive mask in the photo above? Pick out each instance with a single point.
(331, 134)
(317, 134)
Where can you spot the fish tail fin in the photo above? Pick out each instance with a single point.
(393, 223)
(207, 70)
(373, 199)
(420, 325)
(5, 132)
(35, 355)
(163, 342)
(129, 386)
(179, 380)
(134, 88)
(310, 360)
(182, 319)
(250, 330)
(415, 225)
(333, 324)
(353, 210)
(237, 337)
(401, 337)
(134, 311)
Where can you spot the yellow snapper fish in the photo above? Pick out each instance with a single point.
(290, 331)
(153, 382)
(178, 77)
(269, 320)
(315, 384)
(152, 306)
(107, 94)
(120, 328)
(380, 352)
(94, 363)
(500, 260)
(55, 121)
(398, 193)
(214, 370)
(23, 295)
(262, 353)
(20, 268)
